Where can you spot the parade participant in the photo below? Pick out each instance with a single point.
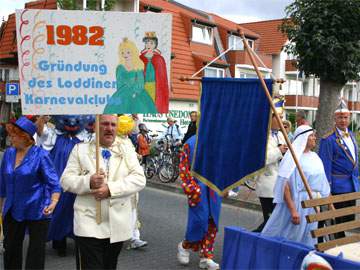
(155, 73)
(288, 219)
(69, 130)
(30, 187)
(126, 125)
(339, 153)
(43, 127)
(134, 133)
(192, 127)
(90, 127)
(276, 148)
(120, 177)
(173, 131)
(301, 118)
(143, 143)
(130, 95)
(203, 214)
(287, 125)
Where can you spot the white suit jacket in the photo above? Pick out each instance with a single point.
(126, 178)
(265, 182)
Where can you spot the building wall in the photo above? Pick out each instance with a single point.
(179, 110)
(9, 73)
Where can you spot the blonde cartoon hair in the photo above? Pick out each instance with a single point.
(129, 45)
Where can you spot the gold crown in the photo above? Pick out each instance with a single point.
(150, 34)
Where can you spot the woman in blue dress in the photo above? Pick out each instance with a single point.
(288, 219)
(29, 192)
(130, 96)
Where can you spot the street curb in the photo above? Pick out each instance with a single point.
(228, 201)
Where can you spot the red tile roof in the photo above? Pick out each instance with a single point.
(272, 39)
(8, 39)
(184, 62)
(232, 26)
(191, 56)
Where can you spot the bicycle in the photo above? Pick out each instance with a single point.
(160, 163)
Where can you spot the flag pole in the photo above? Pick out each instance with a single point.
(267, 93)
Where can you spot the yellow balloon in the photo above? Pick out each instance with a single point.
(125, 125)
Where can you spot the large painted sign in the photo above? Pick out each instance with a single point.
(93, 62)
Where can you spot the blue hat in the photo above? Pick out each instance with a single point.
(26, 125)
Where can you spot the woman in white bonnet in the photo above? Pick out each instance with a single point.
(288, 219)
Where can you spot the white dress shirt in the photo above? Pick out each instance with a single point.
(348, 142)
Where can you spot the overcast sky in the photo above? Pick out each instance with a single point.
(236, 10)
(241, 11)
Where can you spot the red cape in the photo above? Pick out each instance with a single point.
(161, 81)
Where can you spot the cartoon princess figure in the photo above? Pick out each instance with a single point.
(155, 73)
(130, 96)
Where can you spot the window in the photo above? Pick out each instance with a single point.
(214, 72)
(247, 75)
(251, 43)
(202, 34)
(152, 9)
(6, 75)
(236, 43)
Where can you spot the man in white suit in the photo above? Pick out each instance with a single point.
(120, 178)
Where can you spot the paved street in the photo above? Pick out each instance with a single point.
(163, 215)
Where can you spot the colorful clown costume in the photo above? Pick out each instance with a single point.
(203, 214)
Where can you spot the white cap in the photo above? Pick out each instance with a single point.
(342, 107)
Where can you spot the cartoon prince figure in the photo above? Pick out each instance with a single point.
(155, 73)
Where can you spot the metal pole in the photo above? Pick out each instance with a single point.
(296, 94)
(136, 6)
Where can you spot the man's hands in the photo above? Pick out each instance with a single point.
(97, 180)
(101, 193)
(99, 189)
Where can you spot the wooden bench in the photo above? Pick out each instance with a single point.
(330, 214)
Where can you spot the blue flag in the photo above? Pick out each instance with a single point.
(232, 132)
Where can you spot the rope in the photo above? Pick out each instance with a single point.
(226, 51)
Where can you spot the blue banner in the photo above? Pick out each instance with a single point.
(232, 133)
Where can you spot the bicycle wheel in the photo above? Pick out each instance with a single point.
(166, 172)
(175, 162)
(150, 168)
(250, 184)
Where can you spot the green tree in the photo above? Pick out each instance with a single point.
(325, 37)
